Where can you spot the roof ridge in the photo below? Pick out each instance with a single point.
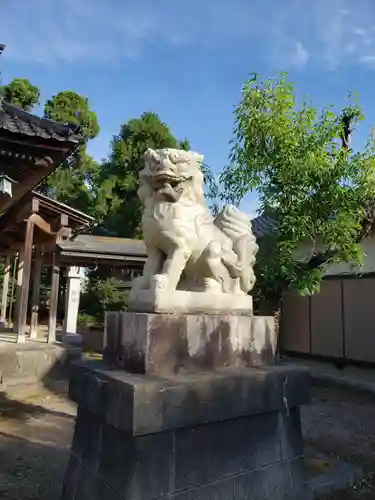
(32, 116)
(17, 120)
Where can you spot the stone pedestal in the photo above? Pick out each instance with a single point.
(172, 343)
(230, 434)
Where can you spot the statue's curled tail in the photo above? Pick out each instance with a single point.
(237, 226)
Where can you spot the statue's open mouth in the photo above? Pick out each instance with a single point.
(164, 178)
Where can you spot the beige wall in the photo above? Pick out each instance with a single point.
(337, 322)
(339, 269)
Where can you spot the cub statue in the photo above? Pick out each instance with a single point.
(193, 257)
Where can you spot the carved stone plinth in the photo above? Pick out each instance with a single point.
(233, 434)
(178, 301)
(171, 343)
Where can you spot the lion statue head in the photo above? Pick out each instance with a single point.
(171, 175)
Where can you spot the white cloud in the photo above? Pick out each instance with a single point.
(344, 31)
(289, 34)
(300, 56)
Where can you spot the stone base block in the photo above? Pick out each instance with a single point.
(231, 435)
(179, 301)
(170, 343)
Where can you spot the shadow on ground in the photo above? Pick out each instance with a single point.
(35, 438)
(23, 410)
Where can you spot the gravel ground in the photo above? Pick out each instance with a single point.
(35, 436)
(341, 424)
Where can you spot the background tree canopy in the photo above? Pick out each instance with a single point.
(320, 192)
(118, 201)
(21, 93)
(75, 181)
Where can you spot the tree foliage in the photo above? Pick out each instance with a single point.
(69, 107)
(75, 181)
(101, 295)
(118, 201)
(320, 191)
(21, 93)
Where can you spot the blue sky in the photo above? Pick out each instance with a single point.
(187, 61)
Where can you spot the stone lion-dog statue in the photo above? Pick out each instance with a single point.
(189, 249)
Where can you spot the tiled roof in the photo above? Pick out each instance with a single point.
(17, 121)
(85, 243)
(263, 225)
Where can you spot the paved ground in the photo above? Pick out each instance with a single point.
(35, 436)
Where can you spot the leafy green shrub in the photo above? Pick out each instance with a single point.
(103, 295)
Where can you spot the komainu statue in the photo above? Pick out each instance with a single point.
(196, 262)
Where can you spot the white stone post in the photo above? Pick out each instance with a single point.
(72, 296)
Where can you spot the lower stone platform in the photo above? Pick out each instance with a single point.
(232, 434)
(24, 367)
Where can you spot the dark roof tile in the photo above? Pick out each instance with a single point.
(263, 225)
(18, 121)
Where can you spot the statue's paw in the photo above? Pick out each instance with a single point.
(140, 283)
(159, 281)
(212, 285)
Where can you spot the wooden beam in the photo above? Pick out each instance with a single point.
(22, 312)
(24, 213)
(62, 234)
(54, 297)
(5, 291)
(37, 273)
(42, 224)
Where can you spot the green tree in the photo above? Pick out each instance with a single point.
(118, 201)
(101, 295)
(75, 181)
(21, 93)
(69, 107)
(320, 191)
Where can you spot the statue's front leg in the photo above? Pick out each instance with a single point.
(151, 268)
(173, 267)
(219, 276)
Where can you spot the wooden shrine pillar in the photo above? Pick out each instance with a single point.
(54, 297)
(37, 274)
(28, 250)
(5, 291)
(18, 288)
